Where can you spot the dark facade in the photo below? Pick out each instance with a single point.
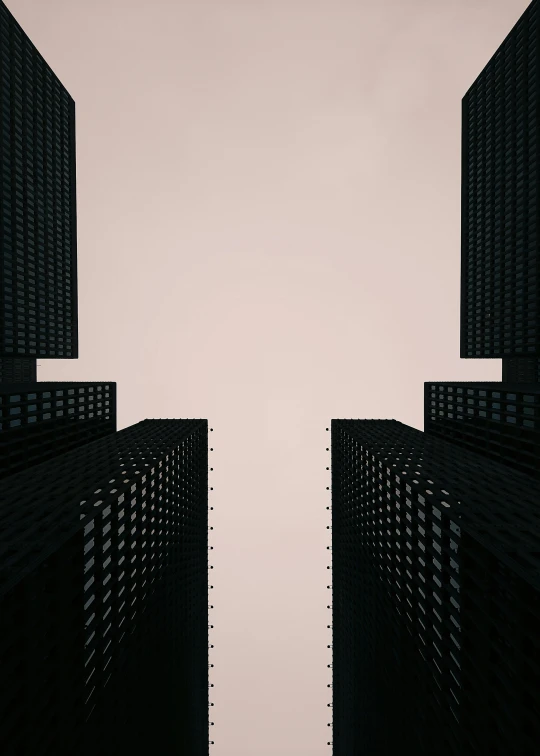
(521, 370)
(500, 273)
(38, 270)
(104, 597)
(39, 421)
(498, 420)
(17, 370)
(436, 601)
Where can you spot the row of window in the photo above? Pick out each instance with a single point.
(19, 142)
(474, 391)
(497, 93)
(50, 352)
(52, 288)
(25, 330)
(504, 114)
(81, 390)
(37, 231)
(496, 279)
(15, 103)
(495, 352)
(50, 109)
(517, 102)
(492, 416)
(482, 295)
(17, 422)
(460, 400)
(31, 408)
(493, 346)
(27, 284)
(488, 211)
(29, 158)
(42, 341)
(482, 170)
(483, 173)
(32, 306)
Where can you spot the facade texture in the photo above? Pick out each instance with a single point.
(38, 270)
(500, 275)
(521, 370)
(103, 593)
(39, 421)
(436, 609)
(498, 420)
(17, 369)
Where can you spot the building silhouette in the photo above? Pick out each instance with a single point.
(436, 611)
(436, 535)
(103, 534)
(103, 597)
(38, 274)
(500, 286)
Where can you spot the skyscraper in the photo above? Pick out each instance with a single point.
(436, 535)
(103, 535)
(436, 597)
(500, 275)
(38, 237)
(103, 597)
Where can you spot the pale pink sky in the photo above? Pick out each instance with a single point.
(269, 237)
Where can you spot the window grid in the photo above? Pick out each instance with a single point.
(112, 538)
(39, 421)
(435, 556)
(38, 317)
(500, 202)
(498, 420)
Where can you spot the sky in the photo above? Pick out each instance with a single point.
(268, 237)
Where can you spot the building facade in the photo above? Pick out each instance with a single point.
(498, 420)
(38, 235)
(39, 421)
(436, 596)
(103, 597)
(521, 370)
(500, 272)
(17, 370)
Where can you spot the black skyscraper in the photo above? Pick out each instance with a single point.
(500, 271)
(103, 535)
(436, 597)
(38, 269)
(500, 266)
(103, 597)
(436, 535)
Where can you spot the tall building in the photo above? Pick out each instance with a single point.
(38, 236)
(500, 275)
(436, 597)
(436, 535)
(103, 535)
(103, 597)
(39, 421)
